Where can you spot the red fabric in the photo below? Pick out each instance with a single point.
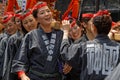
(114, 24)
(11, 4)
(30, 4)
(27, 14)
(39, 6)
(20, 73)
(87, 15)
(74, 7)
(102, 12)
(9, 16)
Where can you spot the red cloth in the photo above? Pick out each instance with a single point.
(74, 7)
(20, 73)
(11, 4)
(30, 4)
(87, 15)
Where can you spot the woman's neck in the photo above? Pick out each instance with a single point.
(46, 29)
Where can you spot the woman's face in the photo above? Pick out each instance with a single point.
(11, 28)
(75, 32)
(29, 23)
(18, 23)
(44, 16)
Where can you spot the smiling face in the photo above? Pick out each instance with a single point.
(29, 23)
(75, 32)
(44, 16)
(11, 27)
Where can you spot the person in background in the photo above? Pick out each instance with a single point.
(39, 55)
(2, 31)
(10, 29)
(99, 56)
(15, 40)
(86, 22)
(73, 36)
(115, 32)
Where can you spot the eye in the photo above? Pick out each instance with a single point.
(9, 25)
(25, 22)
(42, 12)
(31, 20)
(48, 10)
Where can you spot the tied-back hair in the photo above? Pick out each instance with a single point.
(102, 23)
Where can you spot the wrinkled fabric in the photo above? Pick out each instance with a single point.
(2, 35)
(68, 51)
(115, 75)
(33, 55)
(11, 49)
(3, 45)
(95, 63)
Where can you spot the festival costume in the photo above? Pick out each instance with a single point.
(98, 58)
(39, 55)
(68, 51)
(11, 50)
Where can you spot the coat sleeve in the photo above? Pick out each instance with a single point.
(21, 60)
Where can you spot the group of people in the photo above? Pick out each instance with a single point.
(33, 49)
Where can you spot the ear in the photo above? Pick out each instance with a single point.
(94, 30)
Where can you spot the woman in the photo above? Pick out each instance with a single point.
(15, 40)
(100, 56)
(72, 38)
(39, 53)
(11, 29)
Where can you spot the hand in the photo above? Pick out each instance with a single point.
(65, 25)
(111, 34)
(66, 68)
(24, 77)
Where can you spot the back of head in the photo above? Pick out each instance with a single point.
(102, 23)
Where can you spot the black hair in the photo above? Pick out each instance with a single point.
(23, 29)
(102, 23)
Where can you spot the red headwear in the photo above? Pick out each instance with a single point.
(18, 15)
(87, 15)
(9, 15)
(113, 24)
(73, 24)
(73, 21)
(102, 12)
(39, 6)
(27, 14)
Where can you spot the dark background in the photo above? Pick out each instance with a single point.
(94, 5)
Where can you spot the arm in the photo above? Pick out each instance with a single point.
(21, 60)
(22, 75)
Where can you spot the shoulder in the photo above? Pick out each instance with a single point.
(12, 36)
(58, 30)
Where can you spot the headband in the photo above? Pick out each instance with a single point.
(24, 16)
(7, 19)
(39, 6)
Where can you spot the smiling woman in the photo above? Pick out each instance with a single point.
(39, 56)
(73, 37)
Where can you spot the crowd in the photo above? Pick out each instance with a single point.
(35, 46)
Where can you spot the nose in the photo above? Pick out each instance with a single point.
(29, 24)
(46, 13)
(73, 30)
